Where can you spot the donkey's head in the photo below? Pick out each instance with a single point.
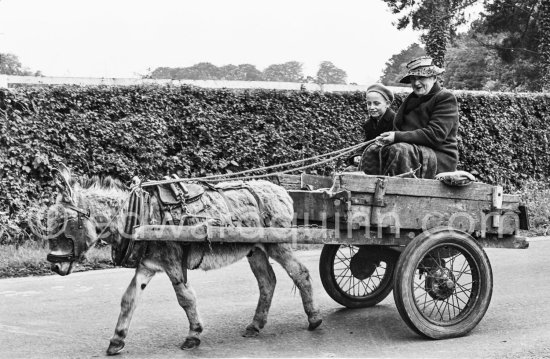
(70, 231)
(81, 213)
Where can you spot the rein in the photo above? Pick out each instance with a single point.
(136, 201)
(238, 175)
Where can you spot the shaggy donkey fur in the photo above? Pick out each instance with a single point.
(105, 197)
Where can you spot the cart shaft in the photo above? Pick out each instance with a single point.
(299, 235)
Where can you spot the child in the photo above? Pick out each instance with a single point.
(380, 118)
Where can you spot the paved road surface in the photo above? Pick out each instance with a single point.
(74, 317)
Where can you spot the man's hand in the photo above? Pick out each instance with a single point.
(386, 138)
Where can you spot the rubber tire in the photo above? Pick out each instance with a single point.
(404, 277)
(326, 271)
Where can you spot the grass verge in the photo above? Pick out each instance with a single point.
(29, 259)
(536, 195)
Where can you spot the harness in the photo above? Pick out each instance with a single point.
(173, 199)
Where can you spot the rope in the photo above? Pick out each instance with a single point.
(347, 149)
(224, 177)
(281, 172)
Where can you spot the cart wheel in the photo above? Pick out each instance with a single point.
(443, 284)
(357, 276)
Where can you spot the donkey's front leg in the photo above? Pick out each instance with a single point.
(187, 300)
(129, 301)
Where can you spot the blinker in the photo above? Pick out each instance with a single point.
(74, 233)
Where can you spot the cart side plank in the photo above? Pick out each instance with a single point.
(356, 182)
(303, 181)
(406, 212)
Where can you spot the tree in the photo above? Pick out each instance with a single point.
(544, 45)
(507, 49)
(395, 68)
(243, 72)
(10, 65)
(208, 71)
(162, 73)
(288, 72)
(328, 73)
(200, 71)
(521, 36)
(471, 66)
(439, 18)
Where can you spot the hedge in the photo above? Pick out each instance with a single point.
(151, 131)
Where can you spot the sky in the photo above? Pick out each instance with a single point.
(125, 38)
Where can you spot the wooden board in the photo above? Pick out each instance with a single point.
(314, 182)
(405, 212)
(304, 181)
(357, 182)
(289, 182)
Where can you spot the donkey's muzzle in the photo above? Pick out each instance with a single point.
(62, 269)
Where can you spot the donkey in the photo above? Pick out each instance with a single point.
(78, 219)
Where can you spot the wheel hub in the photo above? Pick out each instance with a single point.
(363, 265)
(440, 283)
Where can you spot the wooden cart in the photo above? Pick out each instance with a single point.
(421, 238)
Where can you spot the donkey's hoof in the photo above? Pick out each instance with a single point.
(251, 332)
(313, 325)
(115, 347)
(190, 343)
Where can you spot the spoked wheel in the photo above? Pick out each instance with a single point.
(357, 276)
(443, 284)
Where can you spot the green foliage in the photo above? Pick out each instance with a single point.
(536, 195)
(473, 66)
(520, 34)
(208, 71)
(290, 71)
(506, 49)
(10, 65)
(150, 131)
(438, 18)
(503, 138)
(330, 74)
(544, 44)
(518, 20)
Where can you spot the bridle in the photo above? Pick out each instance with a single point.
(72, 229)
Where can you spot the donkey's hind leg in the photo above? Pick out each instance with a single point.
(283, 254)
(188, 301)
(265, 276)
(128, 304)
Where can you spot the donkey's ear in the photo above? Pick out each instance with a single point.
(61, 178)
(63, 168)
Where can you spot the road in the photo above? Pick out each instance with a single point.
(74, 316)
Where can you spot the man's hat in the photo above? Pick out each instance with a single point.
(421, 66)
(382, 90)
